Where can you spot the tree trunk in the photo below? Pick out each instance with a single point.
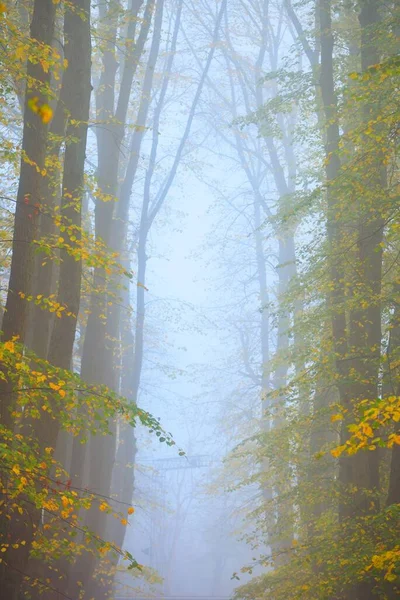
(95, 364)
(393, 360)
(357, 348)
(77, 101)
(41, 320)
(29, 200)
(109, 140)
(34, 143)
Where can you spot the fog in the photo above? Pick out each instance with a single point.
(199, 283)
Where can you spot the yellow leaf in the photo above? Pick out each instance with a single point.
(33, 104)
(131, 510)
(10, 346)
(46, 113)
(336, 418)
(20, 53)
(45, 65)
(367, 430)
(336, 452)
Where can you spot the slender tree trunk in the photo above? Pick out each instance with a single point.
(123, 473)
(393, 357)
(393, 388)
(266, 386)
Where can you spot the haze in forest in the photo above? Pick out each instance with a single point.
(199, 300)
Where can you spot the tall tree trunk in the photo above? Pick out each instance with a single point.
(34, 143)
(109, 140)
(393, 358)
(366, 323)
(357, 349)
(77, 101)
(44, 273)
(78, 84)
(283, 528)
(77, 42)
(335, 238)
(123, 477)
(266, 386)
(102, 449)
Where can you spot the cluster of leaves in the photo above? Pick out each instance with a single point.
(327, 564)
(32, 479)
(376, 419)
(363, 547)
(39, 386)
(20, 47)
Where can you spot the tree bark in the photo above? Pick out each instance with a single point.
(42, 320)
(34, 143)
